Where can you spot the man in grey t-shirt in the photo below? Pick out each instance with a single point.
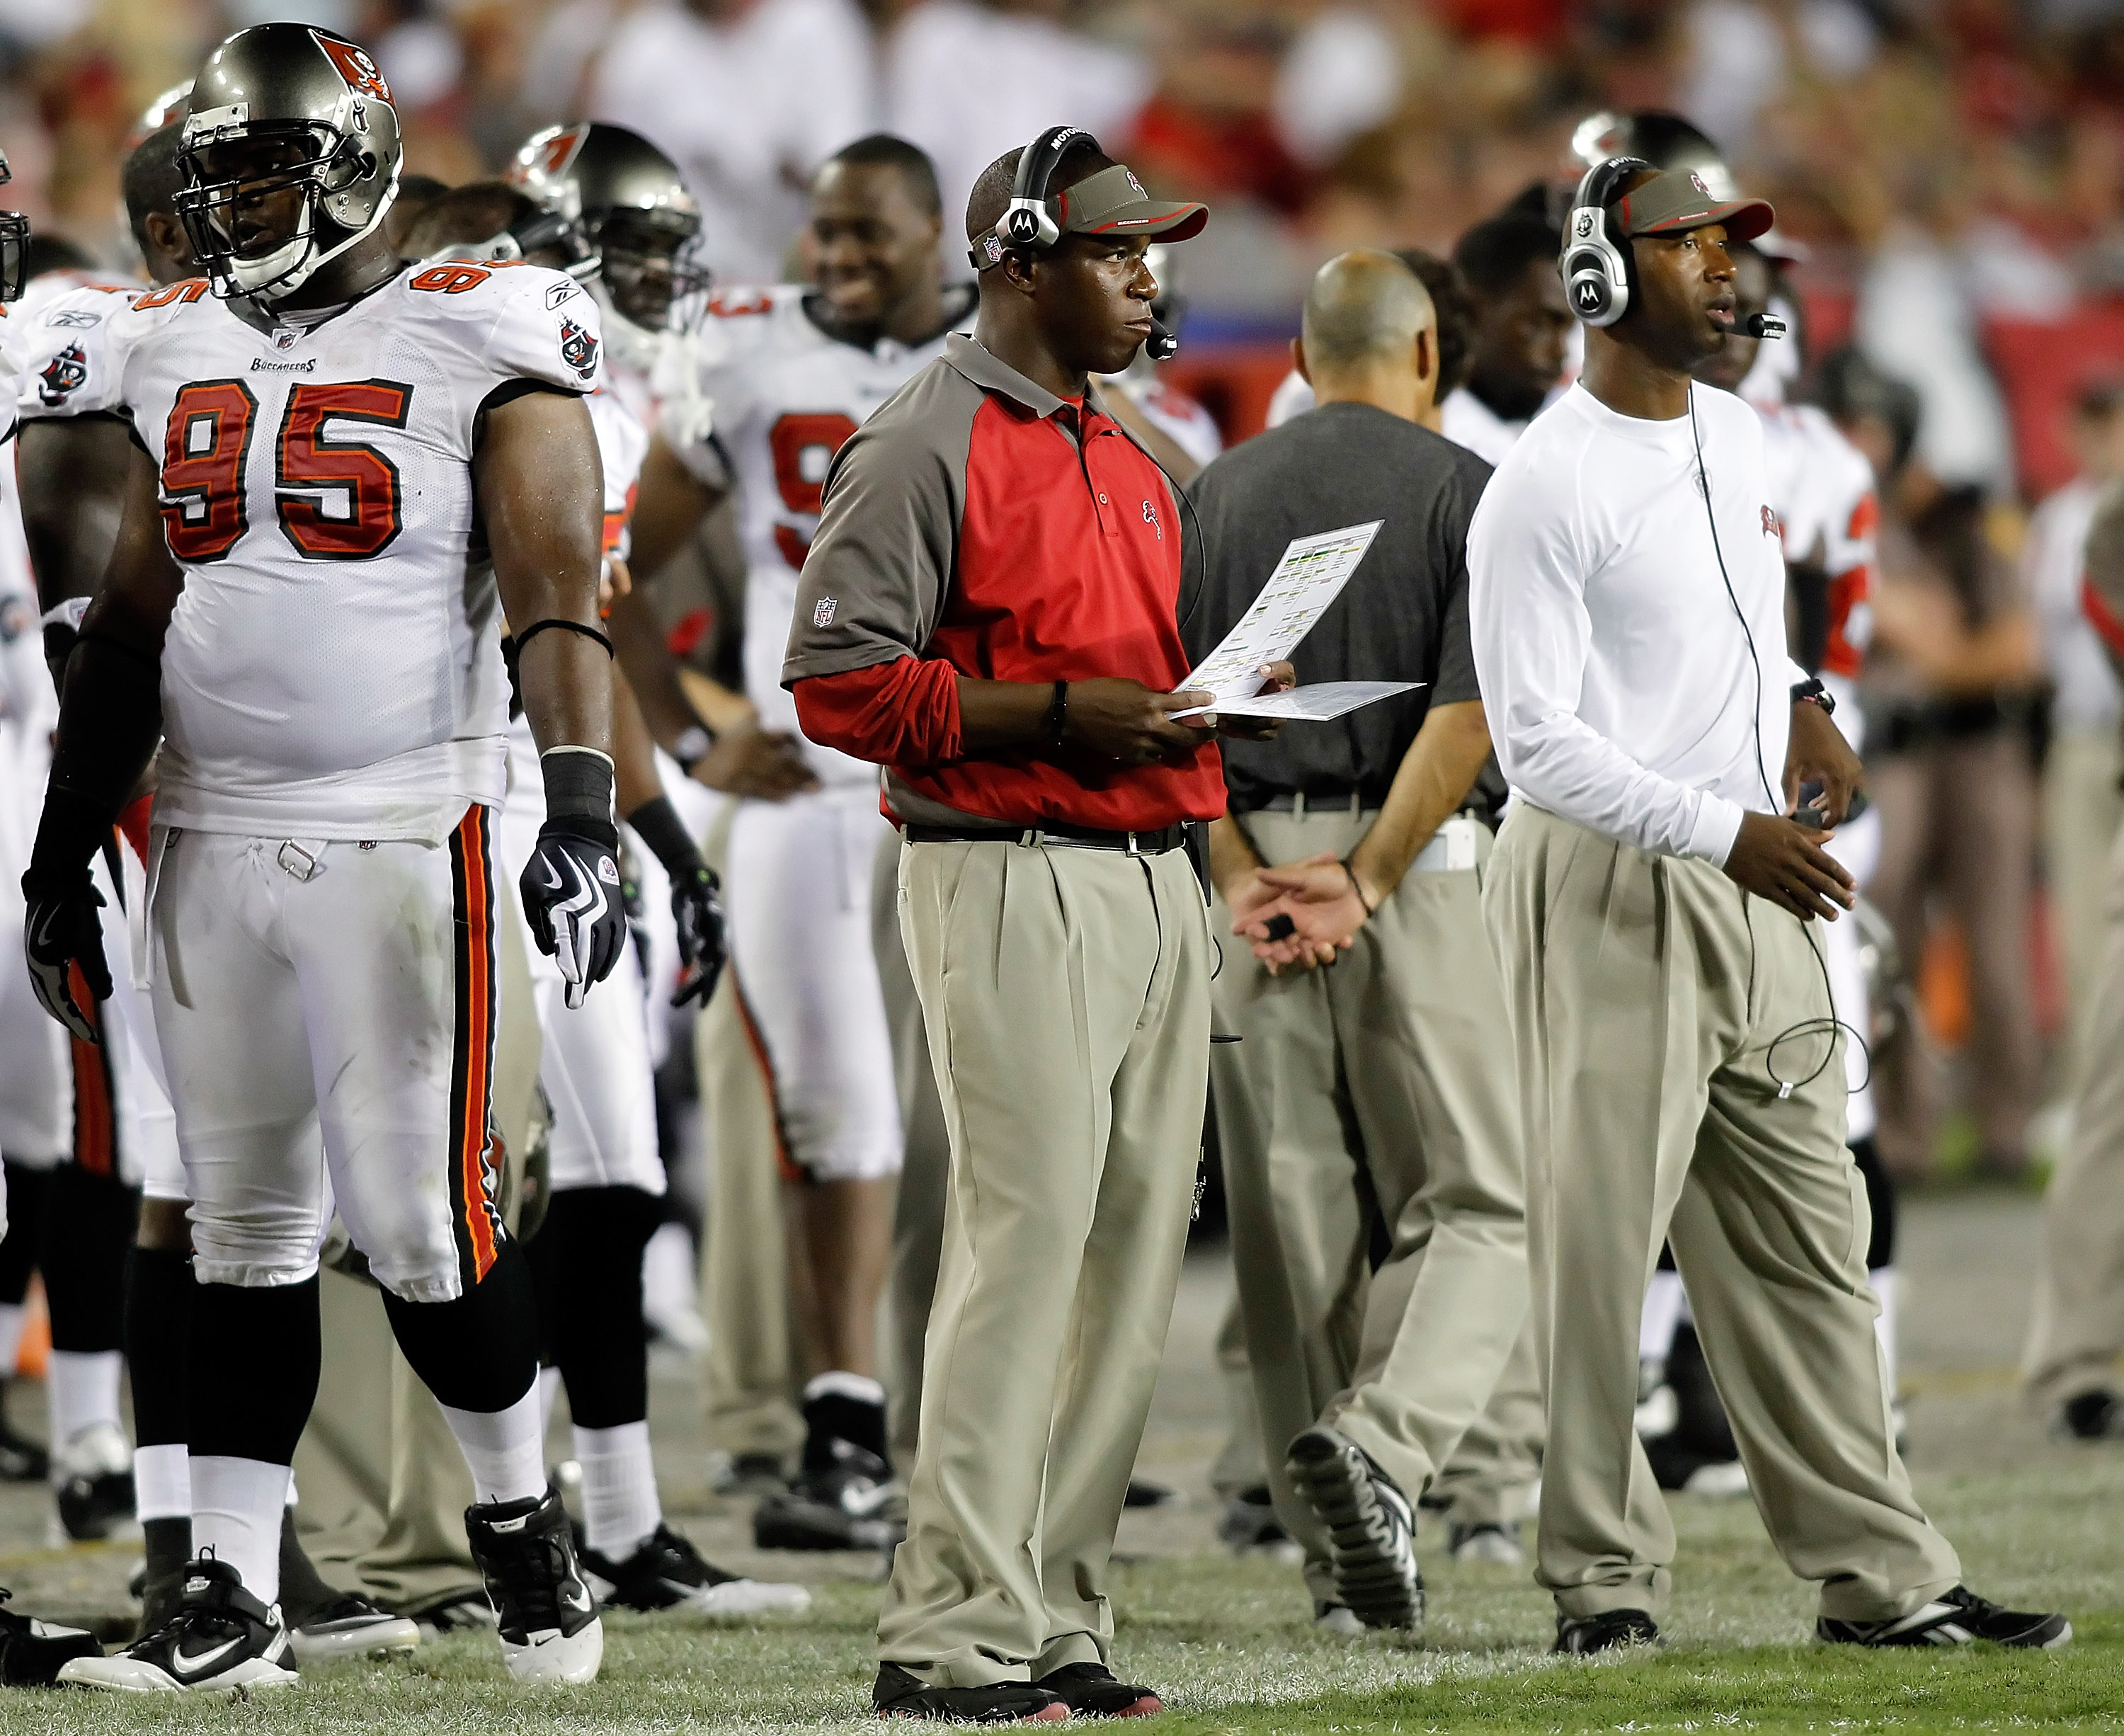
(1375, 1072)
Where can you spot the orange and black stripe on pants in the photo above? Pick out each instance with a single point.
(473, 1214)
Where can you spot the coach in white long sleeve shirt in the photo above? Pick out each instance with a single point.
(1679, 1075)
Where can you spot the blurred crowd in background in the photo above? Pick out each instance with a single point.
(1953, 170)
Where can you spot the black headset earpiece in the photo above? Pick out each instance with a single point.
(1596, 264)
(1026, 222)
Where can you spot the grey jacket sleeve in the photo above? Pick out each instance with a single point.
(874, 583)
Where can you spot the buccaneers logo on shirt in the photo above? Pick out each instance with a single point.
(64, 375)
(578, 348)
(1769, 522)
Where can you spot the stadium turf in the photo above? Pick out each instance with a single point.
(1230, 1643)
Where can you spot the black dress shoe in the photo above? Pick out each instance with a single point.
(896, 1694)
(1580, 1635)
(1091, 1690)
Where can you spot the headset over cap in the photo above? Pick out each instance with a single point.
(324, 96)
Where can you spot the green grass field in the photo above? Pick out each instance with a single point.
(1230, 1643)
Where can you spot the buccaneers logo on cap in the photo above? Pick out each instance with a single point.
(1696, 181)
(64, 375)
(361, 73)
(578, 348)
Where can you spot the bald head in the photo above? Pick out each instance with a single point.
(1370, 334)
(1364, 308)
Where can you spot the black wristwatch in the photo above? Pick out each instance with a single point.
(1813, 693)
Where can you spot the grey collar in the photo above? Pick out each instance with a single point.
(980, 366)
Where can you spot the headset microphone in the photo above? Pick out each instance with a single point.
(1162, 346)
(1762, 325)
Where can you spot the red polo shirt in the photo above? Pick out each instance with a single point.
(979, 525)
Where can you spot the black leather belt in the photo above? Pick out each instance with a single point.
(1070, 837)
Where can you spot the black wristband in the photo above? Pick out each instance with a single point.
(1057, 718)
(657, 824)
(536, 627)
(579, 792)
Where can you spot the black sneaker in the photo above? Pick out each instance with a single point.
(668, 1573)
(459, 1612)
(844, 1497)
(747, 1472)
(352, 1626)
(896, 1694)
(1581, 1635)
(222, 1640)
(550, 1630)
(1369, 1528)
(1249, 1522)
(2092, 1415)
(1144, 1493)
(1091, 1690)
(1958, 1617)
(32, 1652)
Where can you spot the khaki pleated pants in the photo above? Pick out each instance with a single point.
(1381, 1084)
(2077, 1330)
(1065, 992)
(1651, 1001)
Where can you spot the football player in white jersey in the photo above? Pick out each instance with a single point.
(800, 369)
(599, 200)
(33, 1651)
(74, 468)
(348, 470)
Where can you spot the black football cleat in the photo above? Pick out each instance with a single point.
(1370, 1528)
(2092, 1415)
(548, 1618)
(668, 1573)
(222, 1640)
(1958, 1617)
(32, 1652)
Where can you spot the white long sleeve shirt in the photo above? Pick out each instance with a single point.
(1621, 685)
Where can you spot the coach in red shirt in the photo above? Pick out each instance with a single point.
(991, 611)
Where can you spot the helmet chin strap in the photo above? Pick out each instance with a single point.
(294, 262)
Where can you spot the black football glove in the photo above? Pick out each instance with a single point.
(697, 906)
(571, 899)
(64, 937)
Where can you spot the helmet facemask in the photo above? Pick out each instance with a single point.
(648, 282)
(334, 176)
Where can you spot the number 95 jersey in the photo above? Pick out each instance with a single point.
(333, 667)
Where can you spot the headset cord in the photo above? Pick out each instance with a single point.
(1829, 1025)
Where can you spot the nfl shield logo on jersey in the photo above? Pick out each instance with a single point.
(823, 615)
(578, 348)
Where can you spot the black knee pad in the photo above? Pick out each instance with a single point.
(158, 1324)
(253, 1369)
(89, 1221)
(26, 1188)
(587, 1258)
(481, 1352)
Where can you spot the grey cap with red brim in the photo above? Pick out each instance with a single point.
(1112, 202)
(1677, 201)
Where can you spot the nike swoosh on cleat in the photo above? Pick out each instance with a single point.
(577, 1597)
(192, 1666)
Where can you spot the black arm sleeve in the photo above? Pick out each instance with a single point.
(110, 721)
